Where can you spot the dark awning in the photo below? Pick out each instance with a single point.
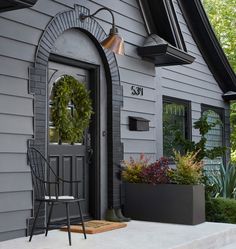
(161, 53)
(7, 5)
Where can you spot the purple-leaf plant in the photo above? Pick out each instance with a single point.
(156, 173)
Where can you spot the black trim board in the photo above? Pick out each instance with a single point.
(8, 5)
(208, 44)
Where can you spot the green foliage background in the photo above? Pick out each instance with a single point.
(222, 15)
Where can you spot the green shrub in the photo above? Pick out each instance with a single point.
(132, 169)
(221, 210)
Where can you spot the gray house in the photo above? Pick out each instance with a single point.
(173, 70)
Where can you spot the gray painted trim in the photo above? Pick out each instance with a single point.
(38, 86)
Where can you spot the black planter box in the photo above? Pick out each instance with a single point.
(168, 203)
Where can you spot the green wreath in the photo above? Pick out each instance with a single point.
(70, 126)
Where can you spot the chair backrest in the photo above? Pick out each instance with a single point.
(39, 170)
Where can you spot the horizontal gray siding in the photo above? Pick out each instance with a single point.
(13, 162)
(10, 143)
(12, 201)
(20, 68)
(13, 221)
(13, 234)
(13, 85)
(133, 3)
(13, 124)
(18, 182)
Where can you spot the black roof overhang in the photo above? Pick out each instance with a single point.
(229, 96)
(208, 44)
(165, 55)
(7, 5)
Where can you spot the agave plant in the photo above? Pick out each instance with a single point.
(224, 181)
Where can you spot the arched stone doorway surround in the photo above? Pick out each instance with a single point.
(38, 86)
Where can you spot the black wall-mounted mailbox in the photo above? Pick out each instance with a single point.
(138, 124)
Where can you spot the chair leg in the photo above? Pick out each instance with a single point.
(68, 222)
(82, 220)
(49, 218)
(34, 223)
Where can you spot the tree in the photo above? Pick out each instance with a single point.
(222, 15)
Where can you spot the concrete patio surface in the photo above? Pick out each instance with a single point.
(137, 235)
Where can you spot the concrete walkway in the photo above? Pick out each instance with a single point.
(137, 235)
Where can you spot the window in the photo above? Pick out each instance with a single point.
(176, 119)
(215, 136)
(160, 18)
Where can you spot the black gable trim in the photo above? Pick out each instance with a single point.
(7, 5)
(208, 44)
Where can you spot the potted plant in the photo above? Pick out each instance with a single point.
(155, 192)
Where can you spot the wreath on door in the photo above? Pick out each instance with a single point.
(70, 125)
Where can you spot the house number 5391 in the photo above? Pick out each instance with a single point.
(136, 90)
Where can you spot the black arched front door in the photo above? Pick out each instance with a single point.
(69, 161)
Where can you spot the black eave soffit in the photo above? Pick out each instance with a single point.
(7, 5)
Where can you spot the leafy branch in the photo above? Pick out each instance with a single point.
(200, 147)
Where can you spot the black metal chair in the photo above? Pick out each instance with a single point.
(47, 191)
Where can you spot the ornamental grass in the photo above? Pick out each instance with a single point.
(188, 170)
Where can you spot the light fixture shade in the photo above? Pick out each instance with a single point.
(114, 42)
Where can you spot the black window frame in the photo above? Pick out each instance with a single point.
(221, 112)
(166, 19)
(187, 103)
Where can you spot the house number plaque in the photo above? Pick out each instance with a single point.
(136, 90)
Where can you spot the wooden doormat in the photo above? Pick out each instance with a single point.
(95, 226)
